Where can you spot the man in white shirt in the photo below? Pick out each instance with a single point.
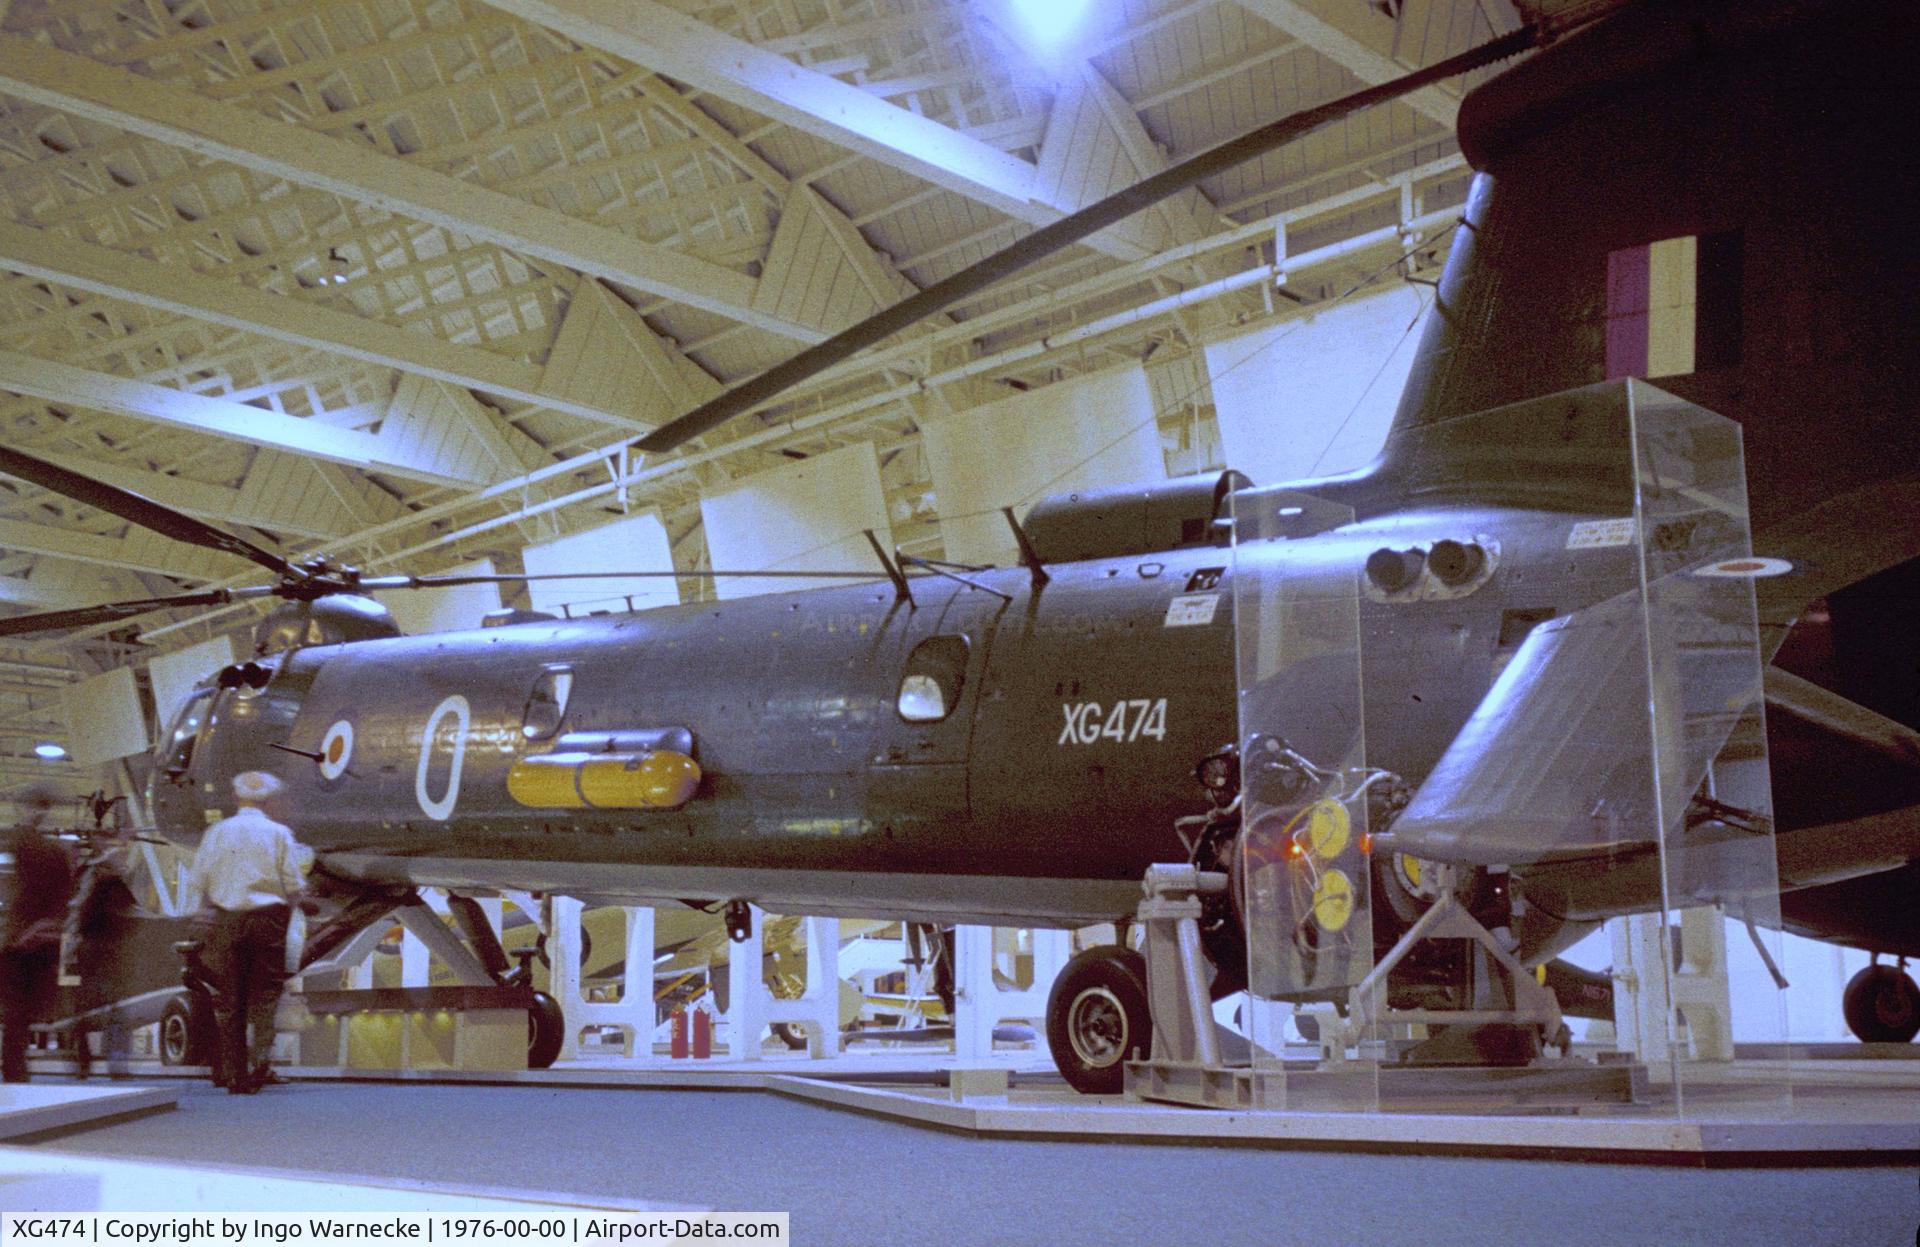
(248, 869)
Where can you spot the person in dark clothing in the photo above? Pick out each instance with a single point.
(30, 929)
(105, 914)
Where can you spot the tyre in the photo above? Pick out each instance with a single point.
(186, 1030)
(1097, 1018)
(791, 1034)
(1882, 1005)
(546, 1031)
(1397, 879)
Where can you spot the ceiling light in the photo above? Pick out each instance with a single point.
(1050, 23)
(50, 751)
(1055, 33)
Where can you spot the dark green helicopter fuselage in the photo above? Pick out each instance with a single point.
(1053, 782)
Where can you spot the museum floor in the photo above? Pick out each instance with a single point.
(851, 1178)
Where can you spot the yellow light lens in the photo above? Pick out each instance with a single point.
(1329, 829)
(1333, 901)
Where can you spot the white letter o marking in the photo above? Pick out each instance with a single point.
(456, 706)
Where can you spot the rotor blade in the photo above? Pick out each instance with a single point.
(376, 584)
(47, 621)
(1062, 233)
(143, 511)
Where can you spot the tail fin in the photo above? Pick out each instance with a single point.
(1717, 195)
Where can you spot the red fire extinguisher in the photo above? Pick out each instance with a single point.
(702, 1035)
(678, 1046)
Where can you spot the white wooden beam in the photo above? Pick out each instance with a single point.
(143, 551)
(101, 391)
(218, 503)
(1355, 55)
(20, 591)
(185, 118)
(1095, 146)
(174, 288)
(684, 48)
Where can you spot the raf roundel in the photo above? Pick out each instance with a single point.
(336, 750)
(1747, 568)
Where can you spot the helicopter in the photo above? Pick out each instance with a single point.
(1017, 745)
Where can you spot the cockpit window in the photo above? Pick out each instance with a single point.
(547, 703)
(930, 687)
(186, 730)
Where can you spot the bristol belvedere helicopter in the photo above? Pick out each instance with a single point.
(1017, 745)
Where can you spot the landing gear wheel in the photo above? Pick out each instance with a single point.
(1399, 879)
(1405, 882)
(791, 1034)
(1882, 1005)
(1097, 1018)
(546, 1031)
(186, 1030)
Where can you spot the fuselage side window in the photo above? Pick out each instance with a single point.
(547, 703)
(930, 686)
(186, 730)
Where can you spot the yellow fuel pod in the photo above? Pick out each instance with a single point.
(661, 780)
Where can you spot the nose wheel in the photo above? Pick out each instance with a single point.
(1097, 1018)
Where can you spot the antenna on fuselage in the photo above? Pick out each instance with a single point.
(901, 593)
(1029, 557)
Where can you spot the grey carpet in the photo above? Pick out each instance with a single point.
(848, 1179)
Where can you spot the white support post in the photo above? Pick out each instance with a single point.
(1052, 949)
(1640, 999)
(416, 963)
(636, 980)
(1647, 996)
(819, 1006)
(1050, 953)
(633, 1013)
(563, 971)
(1702, 994)
(1265, 1023)
(976, 1002)
(747, 992)
(437, 939)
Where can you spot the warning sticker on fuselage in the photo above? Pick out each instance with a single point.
(1191, 610)
(1592, 534)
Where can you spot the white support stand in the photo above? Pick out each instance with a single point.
(979, 1000)
(1701, 991)
(416, 963)
(747, 992)
(1645, 999)
(425, 929)
(975, 999)
(1264, 1022)
(818, 1008)
(633, 1014)
(1051, 949)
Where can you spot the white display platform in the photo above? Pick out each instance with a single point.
(1865, 1110)
(49, 1181)
(35, 1108)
